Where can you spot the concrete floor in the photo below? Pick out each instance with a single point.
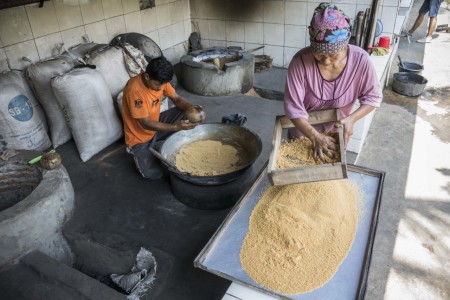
(409, 140)
(117, 212)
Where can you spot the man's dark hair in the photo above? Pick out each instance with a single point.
(160, 69)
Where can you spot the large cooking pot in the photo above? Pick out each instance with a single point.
(240, 137)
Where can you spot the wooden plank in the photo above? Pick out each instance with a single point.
(307, 174)
(315, 117)
(276, 140)
(342, 152)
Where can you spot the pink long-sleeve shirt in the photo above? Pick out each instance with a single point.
(306, 89)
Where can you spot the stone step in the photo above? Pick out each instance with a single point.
(72, 280)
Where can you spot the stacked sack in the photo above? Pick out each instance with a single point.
(86, 101)
(76, 91)
(22, 121)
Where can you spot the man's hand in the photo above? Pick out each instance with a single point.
(184, 125)
(323, 145)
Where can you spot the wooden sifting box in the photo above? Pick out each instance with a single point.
(320, 172)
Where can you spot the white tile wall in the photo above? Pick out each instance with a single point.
(115, 26)
(217, 29)
(148, 18)
(256, 12)
(17, 51)
(165, 38)
(211, 11)
(176, 12)
(273, 34)
(178, 33)
(348, 9)
(274, 12)
(273, 23)
(14, 26)
(388, 17)
(201, 26)
(187, 29)
(235, 31)
(276, 52)
(196, 9)
(162, 16)
(130, 6)
(235, 44)
(214, 43)
(69, 16)
(154, 36)
(92, 11)
(311, 6)
(254, 32)
(43, 20)
(133, 22)
(48, 45)
(112, 8)
(295, 36)
(73, 36)
(295, 13)
(288, 54)
(97, 32)
(250, 46)
(391, 3)
(160, 2)
(186, 10)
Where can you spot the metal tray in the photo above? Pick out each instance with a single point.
(220, 256)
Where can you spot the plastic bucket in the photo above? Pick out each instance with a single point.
(409, 84)
(410, 67)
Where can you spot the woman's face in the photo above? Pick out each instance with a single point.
(327, 59)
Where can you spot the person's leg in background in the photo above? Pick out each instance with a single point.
(433, 12)
(422, 12)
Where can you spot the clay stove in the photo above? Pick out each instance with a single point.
(217, 71)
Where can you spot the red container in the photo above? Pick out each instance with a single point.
(384, 41)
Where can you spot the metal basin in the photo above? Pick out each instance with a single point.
(409, 84)
(240, 137)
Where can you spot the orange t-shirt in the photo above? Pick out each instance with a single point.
(139, 102)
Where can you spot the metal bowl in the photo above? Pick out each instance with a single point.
(242, 137)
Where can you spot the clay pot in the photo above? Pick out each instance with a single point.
(195, 114)
(50, 161)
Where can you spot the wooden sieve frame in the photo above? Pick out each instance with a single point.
(319, 172)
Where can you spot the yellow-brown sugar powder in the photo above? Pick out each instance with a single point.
(210, 157)
(299, 234)
(298, 152)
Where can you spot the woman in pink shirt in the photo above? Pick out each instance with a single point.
(329, 73)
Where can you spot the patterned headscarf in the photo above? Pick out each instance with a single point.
(329, 31)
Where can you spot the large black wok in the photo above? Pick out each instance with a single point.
(242, 137)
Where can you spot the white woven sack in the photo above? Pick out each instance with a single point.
(39, 76)
(110, 63)
(79, 51)
(87, 103)
(119, 102)
(22, 125)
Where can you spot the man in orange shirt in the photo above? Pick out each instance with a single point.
(144, 125)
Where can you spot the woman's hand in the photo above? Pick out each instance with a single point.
(323, 145)
(184, 125)
(348, 124)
